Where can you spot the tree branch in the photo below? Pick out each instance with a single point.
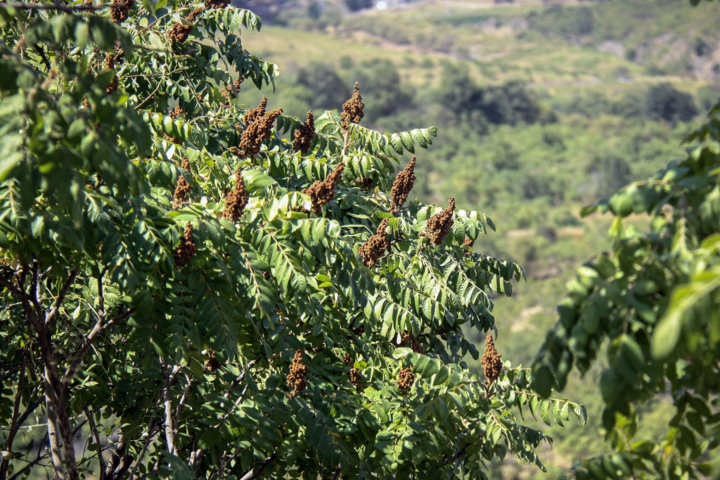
(89, 339)
(61, 297)
(167, 400)
(14, 422)
(96, 436)
(50, 403)
(450, 460)
(182, 399)
(251, 475)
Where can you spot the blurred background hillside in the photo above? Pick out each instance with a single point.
(541, 107)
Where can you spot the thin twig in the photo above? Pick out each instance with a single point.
(251, 475)
(80, 353)
(14, 422)
(61, 297)
(93, 429)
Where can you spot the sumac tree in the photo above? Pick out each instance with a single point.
(192, 288)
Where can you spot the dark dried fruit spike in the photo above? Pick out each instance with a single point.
(194, 14)
(210, 4)
(186, 250)
(298, 372)
(355, 377)
(179, 32)
(212, 364)
(409, 338)
(405, 381)
(490, 361)
(257, 131)
(440, 224)
(353, 109)
(236, 200)
(231, 91)
(122, 12)
(376, 246)
(322, 193)
(469, 242)
(402, 186)
(255, 113)
(177, 112)
(304, 135)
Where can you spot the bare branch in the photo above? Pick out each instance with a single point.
(61, 297)
(96, 436)
(14, 422)
(167, 400)
(251, 475)
(239, 378)
(89, 339)
(182, 399)
(50, 403)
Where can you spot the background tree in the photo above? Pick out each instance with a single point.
(196, 289)
(654, 299)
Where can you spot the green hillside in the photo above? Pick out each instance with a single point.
(541, 109)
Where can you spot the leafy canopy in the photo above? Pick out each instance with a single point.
(654, 299)
(189, 291)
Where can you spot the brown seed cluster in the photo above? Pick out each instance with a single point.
(365, 183)
(405, 381)
(376, 246)
(355, 377)
(259, 128)
(408, 338)
(177, 112)
(183, 187)
(353, 109)
(168, 138)
(298, 372)
(110, 65)
(194, 14)
(255, 113)
(347, 359)
(322, 193)
(121, 13)
(236, 200)
(210, 4)
(491, 363)
(186, 250)
(179, 32)
(181, 191)
(304, 135)
(440, 224)
(212, 364)
(231, 91)
(469, 242)
(402, 186)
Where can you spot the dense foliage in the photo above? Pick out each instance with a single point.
(197, 289)
(654, 299)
